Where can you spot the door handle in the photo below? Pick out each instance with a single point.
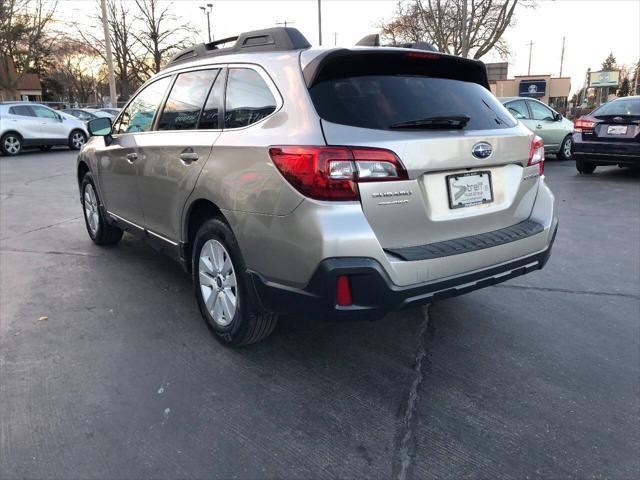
(189, 156)
(132, 157)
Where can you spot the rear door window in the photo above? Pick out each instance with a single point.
(21, 110)
(518, 109)
(211, 114)
(186, 100)
(379, 101)
(248, 99)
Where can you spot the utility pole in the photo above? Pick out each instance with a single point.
(113, 96)
(562, 56)
(335, 38)
(319, 22)
(530, 49)
(465, 39)
(285, 23)
(208, 10)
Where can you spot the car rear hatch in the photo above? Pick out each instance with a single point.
(465, 156)
(616, 121)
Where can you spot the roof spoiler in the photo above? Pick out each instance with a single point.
(373, 40)
(267, 40)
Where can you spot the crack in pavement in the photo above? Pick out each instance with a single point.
(41, 228)
(406, 442)
(567, 290)
(50, 252)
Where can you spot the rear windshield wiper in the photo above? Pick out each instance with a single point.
(445, 122)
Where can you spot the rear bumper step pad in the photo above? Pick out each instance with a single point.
(468, 244)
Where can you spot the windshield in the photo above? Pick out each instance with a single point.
(384, 101)
(626, 106)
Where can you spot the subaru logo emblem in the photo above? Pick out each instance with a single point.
(481, 150)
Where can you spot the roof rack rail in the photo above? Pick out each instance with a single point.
(373, 40)
(267, 40)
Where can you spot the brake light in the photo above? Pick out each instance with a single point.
(536, 153)
(332, 173)
(583, 125)
(343, 291)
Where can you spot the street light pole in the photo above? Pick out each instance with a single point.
(208, 10)
(113, 96)
(319, 22)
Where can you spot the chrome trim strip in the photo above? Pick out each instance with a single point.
(118, 217)
(162, 238)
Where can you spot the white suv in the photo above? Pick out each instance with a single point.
(24, 124)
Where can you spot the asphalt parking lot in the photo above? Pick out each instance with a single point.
(534, 378)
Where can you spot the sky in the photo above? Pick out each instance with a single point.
(592, 28)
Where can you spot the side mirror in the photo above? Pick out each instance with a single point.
(59, 117)
(557, 117)
(100, 127)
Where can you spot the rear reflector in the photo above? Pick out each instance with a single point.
(536, 153)
(331, 173)
(343, 291)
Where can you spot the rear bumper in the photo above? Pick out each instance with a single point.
(606, 152)
(374, 293)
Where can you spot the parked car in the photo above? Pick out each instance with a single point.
(340, 183)
(113, 111)
(80, 113)
(610, 135)
(100, 113)
(25, 124)
(555, 130)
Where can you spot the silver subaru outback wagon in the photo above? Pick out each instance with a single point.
(340, 183)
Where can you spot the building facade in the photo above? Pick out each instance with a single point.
(552, 91)
(18, 87)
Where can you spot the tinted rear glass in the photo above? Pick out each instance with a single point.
(378, 101)
(627, 106)
(21, 110)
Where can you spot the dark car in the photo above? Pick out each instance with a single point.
(610, 135)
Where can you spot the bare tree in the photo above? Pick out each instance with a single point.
(25, 38)
(160, 34)
(459, 27)
(125, 46)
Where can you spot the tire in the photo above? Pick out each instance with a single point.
(585, 167)
(225, 294)
(11, 144)
(45, 148)
(565, 148)
(77, 139)
(99, 230)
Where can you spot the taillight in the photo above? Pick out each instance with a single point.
(583, 125)
(331, 173)
(536, 153)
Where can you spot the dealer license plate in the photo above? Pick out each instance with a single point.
(469, 189)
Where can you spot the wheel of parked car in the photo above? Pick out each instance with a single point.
(46, 148)
(223, 289)
(565, 148)
(100, 231)
(11, 143)
(77, 139)
(585, 167)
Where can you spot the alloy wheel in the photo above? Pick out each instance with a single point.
(91, 209)
(567, 148)
(12, 145)
(78, 140)
(217, 280)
